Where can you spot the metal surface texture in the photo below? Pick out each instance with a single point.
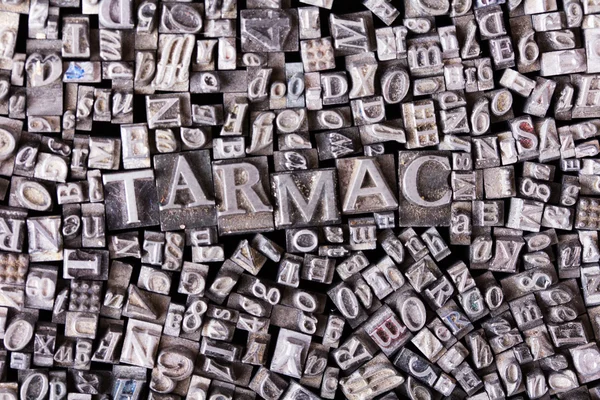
(299, 199)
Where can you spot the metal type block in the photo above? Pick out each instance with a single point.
(132, 198)
(330, 382)
(309, 23)
(316, 362)
(424, 202)
(174, 320)
(268, 384)
(332, 118)
(348, 304)
(417, 367)
(168, 110)
(255, 214)
(370, 110)
(256, 36)
(305, 198)
(589, 278)
(124, 245)
(452, 358)
(352, 33)
(43, 89)
(193, 318)
(386, 44)
(362, 234)
(517, 82)
(362, 383)
(81, 324)
(333, 331)
(301, 240)
(224, 282)
(60, 306)
(386, 330)
(31, 194)
(184, 184)
(290, 353)
(429, 345)
(355, 351)
(85, 264)
(422, 273)
(111, 337)
(317, 269)
(154, 280)
(145, 305)
(378, 196)
(409, 307)
(442, 333)
(141, 342)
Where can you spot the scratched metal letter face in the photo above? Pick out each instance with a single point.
(317, 55)
(416, 366)
(44, 69)
(305, 198)
(267, 384)
(85, 296)
(9, 32)
(30, 194)
(241, 192)
(141, 343)
(425, 196)
(10, 133)
(40, 287)
(290, 353)
(122, 107)
(174, 56)
(185, 190)
(590, 280)
(337, 144)
(378, 194)
(348, 304)
(124, 245)
(88, 264)
(76, 41)
(13, 274)
(136, 151)
(168, 110)
(269, 30)
(420, 120)
(352, 33)
(386, 330)
(104, 153)
(375, 377)
(12, 226)
(131, 198)
(45, 238)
